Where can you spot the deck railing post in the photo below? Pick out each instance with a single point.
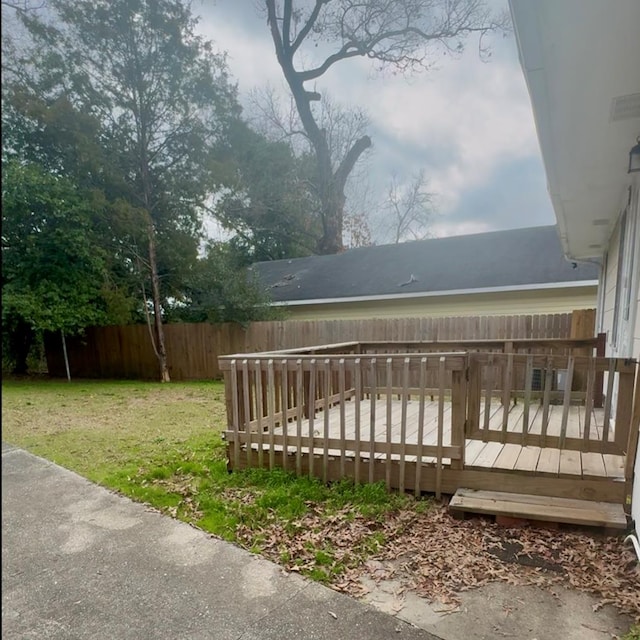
(228, 401)
(632, 444)
(624, 406)
(235, 405)
(458, 414)
(474, 393)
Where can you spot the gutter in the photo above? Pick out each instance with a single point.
(435, 294)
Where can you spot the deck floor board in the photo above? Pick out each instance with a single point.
(478, 454)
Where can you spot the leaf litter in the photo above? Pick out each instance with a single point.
(438, 557)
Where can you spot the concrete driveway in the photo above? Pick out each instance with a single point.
(79, 562)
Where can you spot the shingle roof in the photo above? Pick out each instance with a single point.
(513, 258)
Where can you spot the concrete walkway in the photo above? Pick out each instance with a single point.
(79, 562)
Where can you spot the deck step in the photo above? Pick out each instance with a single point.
(530, 507)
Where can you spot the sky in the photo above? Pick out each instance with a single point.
(467, 123)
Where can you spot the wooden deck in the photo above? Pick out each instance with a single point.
(478, 454)
(515, 418)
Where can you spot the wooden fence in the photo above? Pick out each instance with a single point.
(193, 349)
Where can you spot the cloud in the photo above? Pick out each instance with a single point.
(467, 123)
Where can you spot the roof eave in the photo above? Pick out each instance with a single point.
(433, 294)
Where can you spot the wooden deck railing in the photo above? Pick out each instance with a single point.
(284, 402)
(348, 409)
(509, 380)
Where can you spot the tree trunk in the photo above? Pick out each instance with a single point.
(21, 339)
(332, 222)
(161, 350)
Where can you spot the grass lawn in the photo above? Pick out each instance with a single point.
(161, 444)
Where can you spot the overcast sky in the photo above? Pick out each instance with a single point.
(468, 123)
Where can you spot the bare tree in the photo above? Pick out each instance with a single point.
(408, 209)
(277, 118)
(405, 34)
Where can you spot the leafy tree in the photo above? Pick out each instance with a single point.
(267, 200)
(53, 278)
(404, 34)
(162, 101)
(221, 288)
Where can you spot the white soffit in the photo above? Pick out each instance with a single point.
(581, 60)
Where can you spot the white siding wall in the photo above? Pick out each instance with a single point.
(627, 333)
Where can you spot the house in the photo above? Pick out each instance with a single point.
(518, 271)
(581, 62)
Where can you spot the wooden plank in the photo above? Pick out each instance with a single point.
(459, 389)
(441, 378)
(372, 422)
(624, 406)
(549, 461)
(508, 456)
(588, 405)
(327, 394)
(488, 455)
(474, 394)
(566, 403)
(271, 411)
(614, 466)
(246, 399)
(284, 385)
(420, 435)
(539, 500)
(528, 382)
(341, 393)
(403, 423)
(593, 465)
(548, 383)
(312, 412)
(580, 512)
(527, 459)
(299, 410)
(553, 442)
(259, 411)
(605, 490)
(317, 443)
(487, 399)
(389, 418)
(235, 416)
(506, 392)
(357, 425)
(570, 463)
(632, 445)
(608, 400)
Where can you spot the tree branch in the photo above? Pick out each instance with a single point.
(308, 25)
(350, 159)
